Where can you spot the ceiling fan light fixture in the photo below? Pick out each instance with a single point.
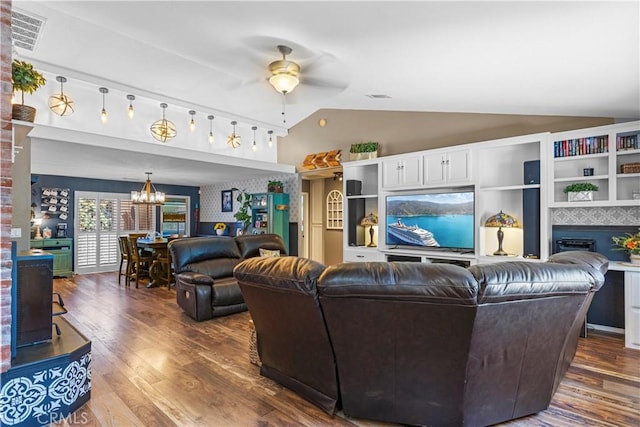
(284, 73)
(284, 82)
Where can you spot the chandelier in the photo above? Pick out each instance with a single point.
(148, 195)
(163, 129)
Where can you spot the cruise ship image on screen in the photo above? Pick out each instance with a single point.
(412, 234)
(437, 219)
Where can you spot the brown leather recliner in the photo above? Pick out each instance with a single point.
(423, 344)
(437, 345)
(293, 342)
(205, 286)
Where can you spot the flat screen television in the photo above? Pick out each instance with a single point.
(433, 220)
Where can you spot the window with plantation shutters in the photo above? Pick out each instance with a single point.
(100, 218)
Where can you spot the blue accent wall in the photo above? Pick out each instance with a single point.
(602, 234)
(103, 186)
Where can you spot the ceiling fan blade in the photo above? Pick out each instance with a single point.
(337, 84)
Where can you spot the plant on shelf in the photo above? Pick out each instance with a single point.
(243, 215)
(580, 186)
(364, 147)
(580, 191)
(629, 243)
(275, 186)
(25, 79)
(364, 150)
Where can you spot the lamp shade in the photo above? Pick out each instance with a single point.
(284, 82)
(502, 219)
(369, 220)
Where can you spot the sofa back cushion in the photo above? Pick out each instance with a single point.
(518, 280)
(250, 244)
(405, 281)
(214, 256)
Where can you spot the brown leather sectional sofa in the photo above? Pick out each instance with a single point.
(421, 344)
(205, 286)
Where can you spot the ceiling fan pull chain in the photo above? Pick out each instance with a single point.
(284, 100)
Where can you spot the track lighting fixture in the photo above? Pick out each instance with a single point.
(210, 117)
(103, 114)
(130, 109)
(270, 132)
(192, 122)
(233, 140)
(163, 129)
(254, 147)
(60, 103)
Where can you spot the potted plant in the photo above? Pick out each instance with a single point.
(580, 191)
(275, 187)
(243, 215)
(631, 244)
(25, 79)
(364, 150)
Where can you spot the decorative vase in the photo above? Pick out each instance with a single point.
(219, 232)
(634, 259)
(580, 196)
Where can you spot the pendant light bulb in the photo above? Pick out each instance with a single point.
(270, 138)
(210, 117)
(254, 147)
(103, 114)
(192, 122)
(130, 109)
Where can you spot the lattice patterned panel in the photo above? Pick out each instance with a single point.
(211, 197)
(618, 215)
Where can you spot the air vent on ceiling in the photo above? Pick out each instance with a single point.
(378, 96)
(26, 28)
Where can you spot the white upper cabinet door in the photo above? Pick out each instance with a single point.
(405, 172)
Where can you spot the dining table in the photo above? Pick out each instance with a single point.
(158, 249)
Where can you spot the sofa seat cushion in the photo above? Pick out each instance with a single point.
(226, 292)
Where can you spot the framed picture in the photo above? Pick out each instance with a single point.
(227, 200)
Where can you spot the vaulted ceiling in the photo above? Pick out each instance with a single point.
(577, 58)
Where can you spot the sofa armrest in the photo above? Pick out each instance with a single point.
(194, 294)
(195, 278)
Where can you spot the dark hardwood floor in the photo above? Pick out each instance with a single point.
(154, 366)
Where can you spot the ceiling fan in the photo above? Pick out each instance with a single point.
(286, 75)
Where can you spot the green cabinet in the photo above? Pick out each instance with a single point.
(270, 214)
(62, 251)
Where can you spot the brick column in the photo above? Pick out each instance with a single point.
(6, 183)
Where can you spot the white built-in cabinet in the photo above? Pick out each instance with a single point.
(609, 151)
(495, 170)
(447, 167)
(403, 172)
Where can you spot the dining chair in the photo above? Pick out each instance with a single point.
(165, 261)
(140, 261)
(123, 245)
